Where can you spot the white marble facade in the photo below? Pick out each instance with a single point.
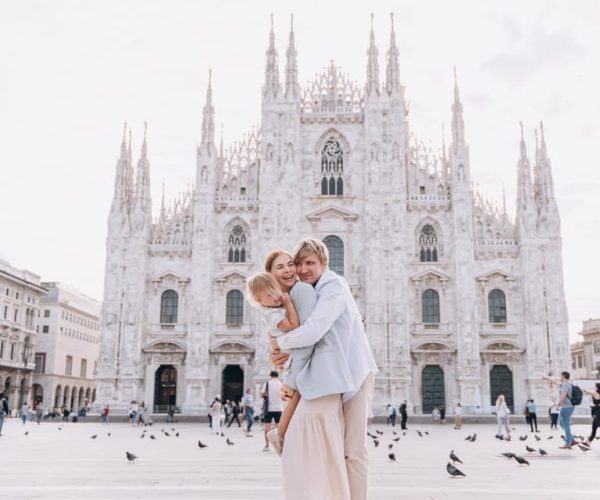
(457, 296)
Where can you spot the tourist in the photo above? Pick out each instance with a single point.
(273, 407)
(565, 407)
(39, 412)
(502, 418)
(146, 417)
(326, 454)
(457, 416)
(595, 394)
(170, 414)
(235, 412)
(24, 412)
(227, 411)
(140, 415)
(4, 410)
(392, 413)
(105, 412)
(65, 414)
(215, 414)
(132, 412)
(435, 413)
(531, 412)
(442, 414)
(248, 405)
(553, 411)
(403, 415)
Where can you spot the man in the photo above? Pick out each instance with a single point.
(336, 312)
(271, 391)
(403, 415)
(248, 404)
(392, 412)
(565, 407)
(4, 410)
(531, 411)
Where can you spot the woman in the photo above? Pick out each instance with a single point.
(313, 463)
(553, 411)
(595, 412)
(215, 414)
(457, 416)
(502, 417)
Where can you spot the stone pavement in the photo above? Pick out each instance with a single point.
(49, 463)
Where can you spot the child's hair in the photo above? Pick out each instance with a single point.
(259, 283)
(272, 256)
(308, 246)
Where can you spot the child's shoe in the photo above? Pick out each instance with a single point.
(275, 440)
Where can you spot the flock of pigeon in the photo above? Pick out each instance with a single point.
(451, 467)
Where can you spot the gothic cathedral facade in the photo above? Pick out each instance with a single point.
(460, 301)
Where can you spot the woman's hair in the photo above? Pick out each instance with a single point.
(259, 283)
(271, 256)
(500, 400)
(598, 387)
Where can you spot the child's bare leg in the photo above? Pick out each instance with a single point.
(287, 414)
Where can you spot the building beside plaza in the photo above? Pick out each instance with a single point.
(585, 354)
(460, 301)
(67, 348)
(20, 295)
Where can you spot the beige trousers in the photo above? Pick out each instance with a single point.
(356, 413)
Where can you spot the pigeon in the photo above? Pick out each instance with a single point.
(390, 446)
(394, 433)
(201, 444)
(167, 434)
(152, 436)
(379, 432)
(109, 434)
(521, 460)
(130, 457)
(473, 437)
(396, 439)
(426, 432)
(509, 455)
(26, 432)
(392, 457)
(523, 438)
(371, 435)
(537, 438)
(454, 458)
(530, 450)
(420, 433)
(543, 452)
(177, 434)
(583, 447)
(468, 438)
(404, 433)
(60, 427)
(173, 429)
(230, 443)
(222, 435)
(376, 442)
(94, 436)
(142, 436)
(550, 437)
(453, 471)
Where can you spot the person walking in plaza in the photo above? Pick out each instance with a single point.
(457, 416)
(105, 412)
(227, 412)
(565, 407)
(595, 394)
(553, 412)
(325, 455)
(24, 412)
(4, 410)
(248, 406)
(215, 413)
(502, 418)
(132, 412)
(392, 413)
(273, 405)
(403, 415)
(235, 412)
(531, 412)
(39, 412)
(442, 414)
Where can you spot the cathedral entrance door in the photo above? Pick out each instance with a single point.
(433, 393)
(501, 382)
(232, 387)
(165, 388)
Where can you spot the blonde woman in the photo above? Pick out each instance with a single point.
(502, 417)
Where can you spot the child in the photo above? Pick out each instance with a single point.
(280, 317)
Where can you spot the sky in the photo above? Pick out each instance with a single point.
(72, 72)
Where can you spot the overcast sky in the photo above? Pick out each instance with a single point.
(71, 72)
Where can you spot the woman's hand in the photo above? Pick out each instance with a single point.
(274, 344)
(287, 392)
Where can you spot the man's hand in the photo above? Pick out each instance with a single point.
(278, 358)
(287, 392)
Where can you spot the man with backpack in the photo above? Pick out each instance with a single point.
(570, 396)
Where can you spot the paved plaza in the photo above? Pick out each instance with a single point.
(49, 463)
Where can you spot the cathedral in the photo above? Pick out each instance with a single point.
(460, 301)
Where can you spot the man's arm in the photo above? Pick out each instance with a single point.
(330, 306)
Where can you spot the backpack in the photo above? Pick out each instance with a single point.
(576, 395)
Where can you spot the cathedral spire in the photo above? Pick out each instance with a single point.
(221, 143)
(271, 87)
(292, 89)
(393, 65)
(372, 87)
(121, 192)
(142, 178)
(544, 181)
(458, 126)
(208, 118)
(524, 189)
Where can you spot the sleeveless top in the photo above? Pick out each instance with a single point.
(596, 407)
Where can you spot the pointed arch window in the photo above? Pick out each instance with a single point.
(236, 244)
(430, 306)
(332, 168)
(234, 313)
(335, 247)
(497, 306)
(428, 244)
(169, 303)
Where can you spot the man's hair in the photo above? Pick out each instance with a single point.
(271, 256)
(567, 375)
(309, 246)
(259, 283)
(274, 373)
